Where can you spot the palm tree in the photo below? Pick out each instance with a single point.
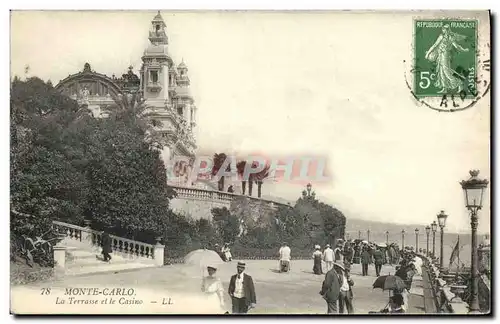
(259, 179)
(130, 108)
(251, 178)
(240, 167)
(219, 160)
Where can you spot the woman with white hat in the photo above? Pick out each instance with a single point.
(317, 256)
(211, 285)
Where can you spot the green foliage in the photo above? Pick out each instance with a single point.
(45, 184)
(326, 223)
(68, 165)
(218, 162)
(129, 193)
(228, 225)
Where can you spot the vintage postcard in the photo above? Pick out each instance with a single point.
(250, 162)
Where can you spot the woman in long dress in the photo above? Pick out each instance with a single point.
(211, 285)
(227, 252)
(440, 52)
(317, 255)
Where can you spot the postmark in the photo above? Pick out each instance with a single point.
(449, 70)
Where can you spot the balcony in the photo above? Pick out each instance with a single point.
(154, 86)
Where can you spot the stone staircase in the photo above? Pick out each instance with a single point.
(79, 252)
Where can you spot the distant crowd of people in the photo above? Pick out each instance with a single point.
(335, 263)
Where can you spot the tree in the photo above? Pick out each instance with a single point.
(240, 167)
(45, 181)
(324, 221)
(129, 193)
(219, 159)
(251, 178)
(206, 233)
(68, 165)
(130, 109)
(260, 177)
(228, 225)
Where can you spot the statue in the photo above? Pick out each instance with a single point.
(84, 95)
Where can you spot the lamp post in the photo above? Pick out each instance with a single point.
(359, 235)
(387, 237)
(427, 231)
(434, 227)
(309, 187)
(473, 192)
(442, 223)
(416, 240)
(368, 234)
(402, 239)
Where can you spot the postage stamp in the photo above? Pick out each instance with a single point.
(450, 69)
(445, 58)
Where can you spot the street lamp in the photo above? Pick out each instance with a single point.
(402, 239)
(442, 223)
(359, 235)
(416, 240)
(473, 191)
(434, 227)
(427, 231)
(368, 234)
(387, 237)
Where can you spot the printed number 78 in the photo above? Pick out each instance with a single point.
(425, 79)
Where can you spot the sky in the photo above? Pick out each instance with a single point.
(329, 84)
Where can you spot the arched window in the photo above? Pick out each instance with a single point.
(154, 76)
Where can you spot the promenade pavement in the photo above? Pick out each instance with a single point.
(295, 292)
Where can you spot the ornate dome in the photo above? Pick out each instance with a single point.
(182, 65)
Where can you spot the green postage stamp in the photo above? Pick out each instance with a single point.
(445, 58)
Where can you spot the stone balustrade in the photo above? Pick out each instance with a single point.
(125, 247)
(71, 231)
(446, 295)
(484, 287)
(220, 196)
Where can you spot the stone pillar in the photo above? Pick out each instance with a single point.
(159, 254)
(59, 258)
(87, 235)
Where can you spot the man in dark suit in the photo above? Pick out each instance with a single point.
(378, 259)
(242, 291)
(345, 296)
(365, 260)
(331, 290)
(107, 248)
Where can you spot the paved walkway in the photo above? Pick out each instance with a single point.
(294, 292)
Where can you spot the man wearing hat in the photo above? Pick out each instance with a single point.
(330, 290)
(345, 294)
(328, 257)
(242, 291)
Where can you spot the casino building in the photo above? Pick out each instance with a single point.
(162, 86)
